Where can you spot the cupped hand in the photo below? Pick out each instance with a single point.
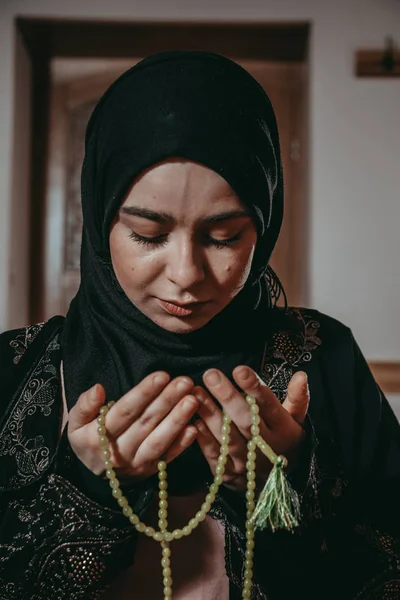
(148, 424)
(280, 424)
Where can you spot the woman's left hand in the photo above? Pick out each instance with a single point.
(280, 424)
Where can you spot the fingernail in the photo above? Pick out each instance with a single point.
(160, 378)
(183, 384)
(200, 426)
(243, 373)
(212, 377)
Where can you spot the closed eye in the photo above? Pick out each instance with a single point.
(160, 240)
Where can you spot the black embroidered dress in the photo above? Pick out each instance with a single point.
(62, 535)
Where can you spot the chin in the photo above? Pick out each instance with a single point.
(176, 325)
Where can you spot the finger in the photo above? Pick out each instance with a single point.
(211, 447)
(212, 416)
(155, 444)
(298, 397)
(146, 404)
(182, 442)
(271, 411)
(87, 408)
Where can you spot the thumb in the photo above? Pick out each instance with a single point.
(87, 408)
(298, 397)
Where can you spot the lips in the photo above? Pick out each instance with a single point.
(179, 310)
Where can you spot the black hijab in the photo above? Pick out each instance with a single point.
(196, 106)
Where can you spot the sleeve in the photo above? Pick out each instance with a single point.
(62, 535)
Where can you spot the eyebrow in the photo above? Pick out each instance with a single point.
(162, 217)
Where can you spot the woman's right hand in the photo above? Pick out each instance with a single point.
(148, 424)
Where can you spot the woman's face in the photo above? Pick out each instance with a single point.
(182, 245)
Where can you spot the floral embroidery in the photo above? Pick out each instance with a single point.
(23, 339)
(288, 350)
(38, 395)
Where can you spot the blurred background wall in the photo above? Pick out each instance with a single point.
(354, 133)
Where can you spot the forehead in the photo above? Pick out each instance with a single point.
(181, 186)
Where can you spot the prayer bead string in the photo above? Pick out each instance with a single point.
(163, 536)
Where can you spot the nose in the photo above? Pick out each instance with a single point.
(186, 264)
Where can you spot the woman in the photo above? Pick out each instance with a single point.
(175, 320)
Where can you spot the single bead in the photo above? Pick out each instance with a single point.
(220, 469)
(127, 511)
(247, 584)
(186, 530)
(200, 515)
(162, 465)
(103, 441)
(246, 594)
(251, 455)
(167, 591)
(122, 501)
(168, 536)
(250, 399)
(163, 494)
(165, 562)
(167, 581)
(218, 479)
(224, 440)
(166, 572)
(108, 464)
(210, 498)
(248, 564)
(114, 483)
(134, 519)
(226, 418)
(110, 474)
(193, 523)
(158, 536)
(251, 485)
(250, 534)
(249, 514)
(101, 419)
(205, 507)
(251, 476)
(140, 527)
(110, 403)
(251, 445)
(102, 430)
(163, 504)
(213, 489)
(162, 475)
(250, 505)
(250, 494)
(255, 409)
(250, 544)
(162, 514)
(117, 493)
(163, 523)
(256, 420)
(248, 574)
(226, 429)
(149, 531)
(105, 453)
(166, 552)
(255, 430)
(177, 534)
(249, 554)
(104, 410)
(162, 485)
(250, 465)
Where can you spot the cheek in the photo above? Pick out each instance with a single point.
(234, 271)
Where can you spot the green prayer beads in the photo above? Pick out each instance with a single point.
(277, 506)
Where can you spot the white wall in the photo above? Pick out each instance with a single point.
(355, 132)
